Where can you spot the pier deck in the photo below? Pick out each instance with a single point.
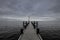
(29, 34)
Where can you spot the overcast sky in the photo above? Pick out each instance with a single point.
(50, 8)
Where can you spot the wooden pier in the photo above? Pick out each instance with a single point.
(29, 34)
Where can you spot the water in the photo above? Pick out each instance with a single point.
(11, 30)
(49, 30)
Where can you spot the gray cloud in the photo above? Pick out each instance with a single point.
(30, 7)
(56, 8)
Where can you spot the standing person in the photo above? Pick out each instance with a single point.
(24, 24)
(33, 23)
(36, 24)
(37, 31)
(21, 31)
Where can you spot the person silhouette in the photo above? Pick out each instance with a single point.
(37, 31)
(35, 24)
(25, 24)
(21, 31)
